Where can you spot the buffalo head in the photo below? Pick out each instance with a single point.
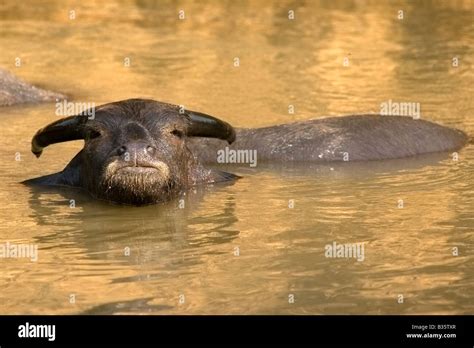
(134, 151)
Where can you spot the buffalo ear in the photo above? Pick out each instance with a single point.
(65, 129)
(202, 125)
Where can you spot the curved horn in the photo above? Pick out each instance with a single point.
(203, 125)
(65, 129)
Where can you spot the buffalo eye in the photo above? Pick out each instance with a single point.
(177, 133)
(92, 133)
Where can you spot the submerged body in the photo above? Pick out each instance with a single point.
(15, 91)
(142, 151)
(346, 138)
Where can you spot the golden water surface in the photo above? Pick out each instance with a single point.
(240, 248)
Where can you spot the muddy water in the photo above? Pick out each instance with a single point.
(240, 248)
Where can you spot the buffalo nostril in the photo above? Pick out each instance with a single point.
(150, 149)
(121, 150)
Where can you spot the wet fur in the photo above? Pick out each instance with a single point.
(361, 137)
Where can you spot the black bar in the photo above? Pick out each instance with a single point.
(288, 330)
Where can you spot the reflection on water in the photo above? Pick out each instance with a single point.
(240, 248)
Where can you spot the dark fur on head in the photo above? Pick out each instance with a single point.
(135, 151)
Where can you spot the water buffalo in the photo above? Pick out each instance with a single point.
(142, 151)
(15, 91)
